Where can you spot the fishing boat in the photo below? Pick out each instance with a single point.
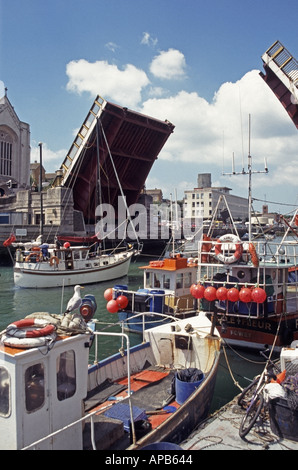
(251, 286)
(165, 294)
(53, 398)
(41, 265)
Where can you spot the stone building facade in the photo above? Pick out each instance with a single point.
(14, 150)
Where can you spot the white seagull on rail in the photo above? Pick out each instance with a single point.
(75, 301)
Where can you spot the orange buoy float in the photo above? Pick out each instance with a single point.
(258, 295)
(245, 294)
(108, 294)
(122, 301)
(233, 294)
(112, 306)
(221, 293)
(198, 291)
(210, 293)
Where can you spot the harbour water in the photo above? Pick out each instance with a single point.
(16, 303)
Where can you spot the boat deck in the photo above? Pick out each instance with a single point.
(221, 432)
(151, 387)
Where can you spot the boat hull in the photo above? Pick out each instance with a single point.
(257, 333)
(187, 417)
(30, 278)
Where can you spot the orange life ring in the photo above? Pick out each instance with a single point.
(253, 255)
(34, 253)
(54, 260)
(232, 258)
(21, 328)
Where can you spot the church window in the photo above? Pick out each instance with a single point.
(5, 154)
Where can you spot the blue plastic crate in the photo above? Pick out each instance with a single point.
(121, 411)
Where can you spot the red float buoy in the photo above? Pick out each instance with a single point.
(210, 293)
(245, 294)
(198, 291)
(221, 293)
(112, 306)
(233, 294)
(108, 294)
(122, 301)
(258, 295)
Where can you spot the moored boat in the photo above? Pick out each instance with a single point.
(165, 294)
(251, 288)
(52, 398)
(43, 265)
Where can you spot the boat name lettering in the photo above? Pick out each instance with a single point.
(254, 323)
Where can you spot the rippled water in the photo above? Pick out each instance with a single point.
(16, 303)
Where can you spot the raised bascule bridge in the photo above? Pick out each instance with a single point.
(115, 148)
(281, 75)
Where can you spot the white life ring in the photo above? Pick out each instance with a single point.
(25, 328)
(26, 343)
(232, 257)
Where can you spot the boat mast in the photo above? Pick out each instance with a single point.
(40, 190)
(249, 172)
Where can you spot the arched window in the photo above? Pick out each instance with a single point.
(5, 154)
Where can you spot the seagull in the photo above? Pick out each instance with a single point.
(75, 301)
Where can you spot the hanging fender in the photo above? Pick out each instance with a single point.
(233, 257)
(253, 255)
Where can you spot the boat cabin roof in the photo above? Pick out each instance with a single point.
(170, 264)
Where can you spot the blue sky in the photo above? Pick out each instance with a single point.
(192, 62)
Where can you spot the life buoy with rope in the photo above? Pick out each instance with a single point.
(25, 328)
(229, 239)
(206, 247)
(35, 253)
(253, 255)
(54, 260)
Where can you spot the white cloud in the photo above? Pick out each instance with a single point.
(51, 160)
(206, 133)
(168, 65)
(111, 46)
(148, 40)
(122, 86)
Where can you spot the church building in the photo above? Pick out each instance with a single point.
(14, 150)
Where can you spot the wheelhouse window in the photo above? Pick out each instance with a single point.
(66, 375)
(4, 392)
(34, 387)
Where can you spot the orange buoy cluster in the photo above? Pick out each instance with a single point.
(233, 294)
(114, 305)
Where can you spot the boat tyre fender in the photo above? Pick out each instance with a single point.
(253, 255)
(25, 328)
(54, 260)
(232, 258)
